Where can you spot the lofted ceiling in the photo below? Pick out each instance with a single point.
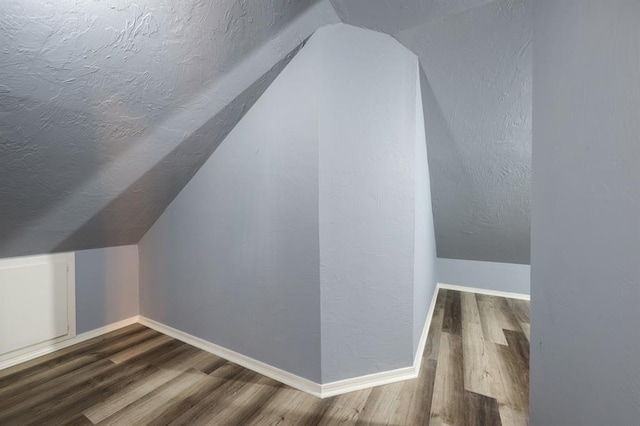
(107, 108)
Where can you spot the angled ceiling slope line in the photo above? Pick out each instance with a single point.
(91, 175)
(479, 66)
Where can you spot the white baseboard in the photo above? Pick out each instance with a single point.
(316, 389)
(385, 377)
(425, 332)
(40, 351)
(260, 367)
(367, 381)
(484, 291)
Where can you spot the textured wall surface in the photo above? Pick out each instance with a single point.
(585, 289)
(106, 286)
(234, 258)
(509, 277)
(367, 205)
(477, 57)
(280, 248)
(108, 108)
(479, 65)
(392, 16)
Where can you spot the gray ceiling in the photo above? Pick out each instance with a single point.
(476, 55)
(108, 108)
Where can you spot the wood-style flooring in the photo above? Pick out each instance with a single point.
(475, 371)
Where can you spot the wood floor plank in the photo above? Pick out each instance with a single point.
(491, 323)
(452, 321)
(147, 408)
(27, 383)
(511, 417)
(448, 393)
(416, 396)
(111, 405)
(520, 309)
(47, 361)
(235, 380)
(480, 375)
(514, 367)
(79, 420)
(248, 402)
(502, 312)
(47, 365)
(435, 328)
(382, 405)
(186, 400)
(344, 409)
(481, 410)
(526, 330)
(172, 364)
(289, 406)
(269, 402)
(470, 313)
(63, 408)
(519, 344)
(136, 350)
(42, 393)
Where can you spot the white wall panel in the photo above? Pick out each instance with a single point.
(37, 301)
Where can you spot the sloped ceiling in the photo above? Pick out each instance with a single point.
(476, 55)
(107, 108)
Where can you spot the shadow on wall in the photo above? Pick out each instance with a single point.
(445, 161)
(106, 286)
(160, 185)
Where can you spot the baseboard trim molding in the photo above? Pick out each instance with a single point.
(316, 389)
(270, 371)
(28, 356)
(385, 377)
(367, 381)
(484, 291)
(417, 361)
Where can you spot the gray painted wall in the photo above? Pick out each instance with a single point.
(509, 277)
(392, 16)
(478, 63)
(234, 258)
(294, 243)
(108, 109)
(585, 265)
(106, 286)
(368, 145)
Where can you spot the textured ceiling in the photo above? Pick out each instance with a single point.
(107, 108)
(392, 16)
(476, 56)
